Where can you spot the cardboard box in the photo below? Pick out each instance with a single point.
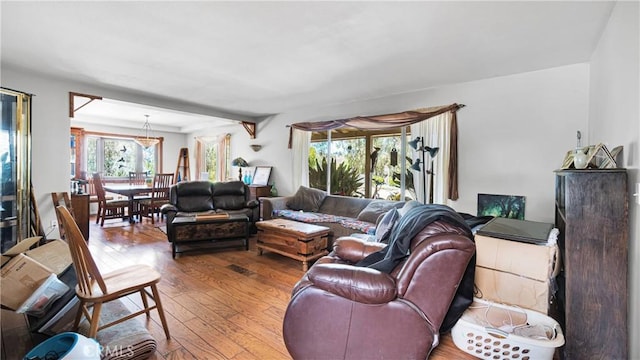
(21, 276)
(539, 262)
(55, 255)
(505, 288)
(24, 270)
(516, 273)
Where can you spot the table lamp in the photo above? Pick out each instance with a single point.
(240, 163)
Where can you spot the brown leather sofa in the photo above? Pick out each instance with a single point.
(342, 311)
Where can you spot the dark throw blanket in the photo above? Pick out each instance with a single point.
(404, 231)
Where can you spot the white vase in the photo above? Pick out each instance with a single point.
(580, 159)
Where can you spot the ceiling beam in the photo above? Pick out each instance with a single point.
(72, 98)
(251, 128)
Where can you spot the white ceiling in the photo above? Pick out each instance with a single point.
(261, 58)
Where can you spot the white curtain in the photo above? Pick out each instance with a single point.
(301, 140)
(436, 132)
(224, 160)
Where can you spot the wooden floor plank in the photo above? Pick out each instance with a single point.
(220, 304)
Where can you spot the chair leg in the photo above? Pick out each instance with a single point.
(95, 320)
(143, 295)
(76, 322)
(156, 298)
(98, 214)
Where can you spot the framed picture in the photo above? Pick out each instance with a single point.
(506, 206)
(568, 159)
(261, 175)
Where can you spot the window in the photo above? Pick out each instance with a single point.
(362, 164)
(115, 157)
(347, 166)
(212, 158)
(386, 168)
(210, 161)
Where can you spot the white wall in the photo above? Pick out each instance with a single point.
(614, 118)
(513, 133)
(50, 129)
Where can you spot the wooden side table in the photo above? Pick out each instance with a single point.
(258, 191)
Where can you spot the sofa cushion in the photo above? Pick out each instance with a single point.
(229, 202)
(307, 199)
(229, 188)
(408, 206)
(192, 196)
(383, 229)
(229, 195)
(343, 205)
(372, 212)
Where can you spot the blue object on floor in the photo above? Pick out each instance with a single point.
(68, 346)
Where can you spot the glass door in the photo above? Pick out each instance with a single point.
(15, 158)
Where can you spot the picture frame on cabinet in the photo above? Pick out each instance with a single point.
(261, 175)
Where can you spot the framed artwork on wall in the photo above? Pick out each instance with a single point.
(507, 206)
(261, 175)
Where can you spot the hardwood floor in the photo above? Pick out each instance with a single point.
(223, 304)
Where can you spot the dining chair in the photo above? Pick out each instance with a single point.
(107, 209)
(138, 178)
(159, 196)
(94, 288)
(61, 198)
(91, 190)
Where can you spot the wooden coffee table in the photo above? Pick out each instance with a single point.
(198, 232)
(297, 240)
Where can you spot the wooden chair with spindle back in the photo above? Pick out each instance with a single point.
(159, 196)
(95, 289)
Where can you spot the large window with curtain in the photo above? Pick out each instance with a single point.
(212, 157)
(434, 127)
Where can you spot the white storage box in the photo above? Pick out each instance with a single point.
(495, 331)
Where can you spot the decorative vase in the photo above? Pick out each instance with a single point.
(580, 159)
(274, 191)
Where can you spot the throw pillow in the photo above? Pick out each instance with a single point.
(376, 208)
(383, 229)
(408, 206)
(307, 199)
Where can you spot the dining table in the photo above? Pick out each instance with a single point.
(130, 191)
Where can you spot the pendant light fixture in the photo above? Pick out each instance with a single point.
(146, 141)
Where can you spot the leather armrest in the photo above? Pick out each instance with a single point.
(252, 204)
(359, 284)
(168, 208)
(355, 249)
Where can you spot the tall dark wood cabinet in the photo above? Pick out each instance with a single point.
(592, 213)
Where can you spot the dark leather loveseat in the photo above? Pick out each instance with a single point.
(342, 311)
(189, 198)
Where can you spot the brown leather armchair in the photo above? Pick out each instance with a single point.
(342, 311)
